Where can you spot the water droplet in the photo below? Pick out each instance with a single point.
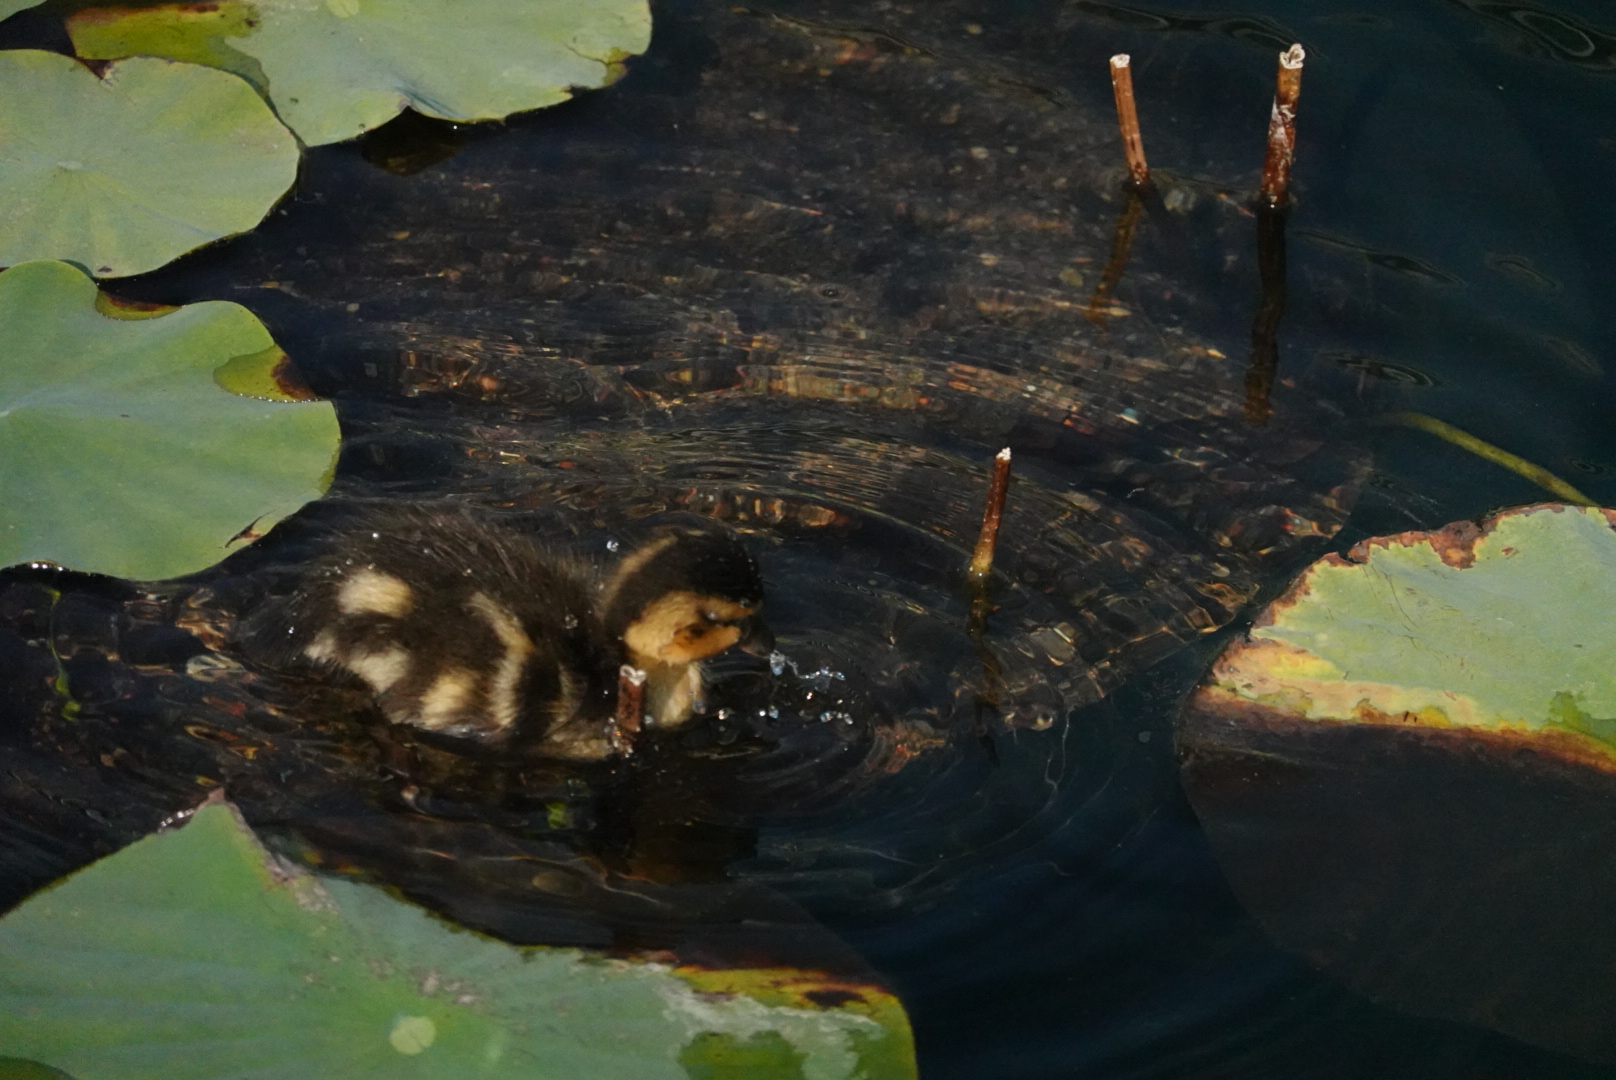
(823, 677)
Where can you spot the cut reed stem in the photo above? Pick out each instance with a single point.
(630, 706)
(1276, 173)
(982, 559)
(1133, 144)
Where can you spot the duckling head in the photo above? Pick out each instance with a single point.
(684, 597)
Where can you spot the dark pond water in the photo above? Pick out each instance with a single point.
(805, 270)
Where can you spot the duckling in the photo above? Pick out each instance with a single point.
(470, 630)
(681, 599)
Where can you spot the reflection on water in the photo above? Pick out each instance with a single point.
(1264, 33)
(1545, 32)
(1386, 260)
(805, 271)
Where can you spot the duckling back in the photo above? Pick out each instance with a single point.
(469, 629)
(458, 627)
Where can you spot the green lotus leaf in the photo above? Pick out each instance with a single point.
(148, 444)
(337, 68)
(192, 954)
(8, 8)
(123, 172)
(1503, 627)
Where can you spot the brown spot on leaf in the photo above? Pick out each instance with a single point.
(1455, 544)
(1218, 720)
(290, 382)
(832, 999)
(786, 987)
(117, 307)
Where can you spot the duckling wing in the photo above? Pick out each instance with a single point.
(456, 625)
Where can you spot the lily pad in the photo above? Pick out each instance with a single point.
(1408, 772)
(8, 8)
(1502, 628)
(194, 954)
(123, 448)
(123, 172)
(336, 69)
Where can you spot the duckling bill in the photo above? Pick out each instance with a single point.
(467, 629)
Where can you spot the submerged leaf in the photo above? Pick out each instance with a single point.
(122, 173)
(18, 1069)
(123, 449)
(195, 954)
(334, 70)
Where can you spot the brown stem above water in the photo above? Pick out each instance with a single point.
(1133, 144)
(982, 602)
(630, 707)
(987, 541)
(1276, 174)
